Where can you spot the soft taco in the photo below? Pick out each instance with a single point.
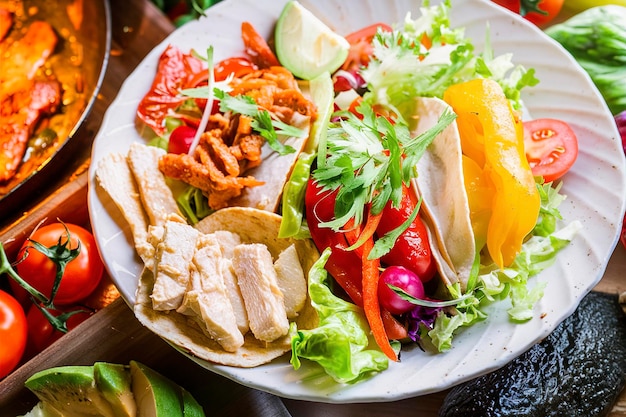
(445, 207)
(255, 227)
(188, 292)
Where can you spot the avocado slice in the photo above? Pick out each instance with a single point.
(305, 45)
(191, 407)
(113, 381)
(155, 395)
(71, 390)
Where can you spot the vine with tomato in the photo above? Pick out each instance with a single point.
(50, 285)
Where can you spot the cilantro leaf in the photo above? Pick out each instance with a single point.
(262, 121)
(368, 160)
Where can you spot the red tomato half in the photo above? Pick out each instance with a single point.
(82, 274)
(13, 331)
(41, 334)
(551, 147)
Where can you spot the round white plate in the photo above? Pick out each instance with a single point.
(595, 188)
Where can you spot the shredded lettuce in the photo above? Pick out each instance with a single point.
(339, 343)
(403, 67)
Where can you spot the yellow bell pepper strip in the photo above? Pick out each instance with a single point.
(484, 111)
(479, 191)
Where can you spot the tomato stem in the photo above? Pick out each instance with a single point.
(6, 268)
(59, 322)
(527, 6)
(60, 254)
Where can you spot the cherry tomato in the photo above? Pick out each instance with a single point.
(13, 331)
(181, 139)
(551, 147)
(404, 279)
(82, 274)
(412, 249)
(42, 334)
(551, 8)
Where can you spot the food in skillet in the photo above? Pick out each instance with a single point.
(41, 88)
(377, 143)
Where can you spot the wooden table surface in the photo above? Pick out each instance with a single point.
(113, 334)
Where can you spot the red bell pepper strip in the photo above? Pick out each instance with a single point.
(343, 265)
(370, 300)
(176, 70)
(412, 249)
(256, 47)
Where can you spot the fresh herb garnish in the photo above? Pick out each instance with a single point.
(368, 160)
(262, 121)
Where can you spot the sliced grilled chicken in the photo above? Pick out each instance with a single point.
(257, 279)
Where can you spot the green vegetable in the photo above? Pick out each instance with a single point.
(403, 67)
(262, 121)
(369, 160)
(321, 90)
(192, 203)
(596, 38)
(339, 344)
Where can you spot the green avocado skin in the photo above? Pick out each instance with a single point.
(579, 370)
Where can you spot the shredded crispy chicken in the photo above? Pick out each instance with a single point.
(229, 146)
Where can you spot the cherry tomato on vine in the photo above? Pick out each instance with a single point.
(13, 332)
(551, 147)
(82, 274)
(527, 8)
(42, 334)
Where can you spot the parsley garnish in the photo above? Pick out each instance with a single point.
(262, 120)
(368, 160)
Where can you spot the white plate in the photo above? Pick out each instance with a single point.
(595, 187)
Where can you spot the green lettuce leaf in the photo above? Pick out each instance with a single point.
(492, 283)
(402, 68)
(339, 343)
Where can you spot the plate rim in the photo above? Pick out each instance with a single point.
(241, 377)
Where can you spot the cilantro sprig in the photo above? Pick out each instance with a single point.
(368, 160)
(263, 122)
